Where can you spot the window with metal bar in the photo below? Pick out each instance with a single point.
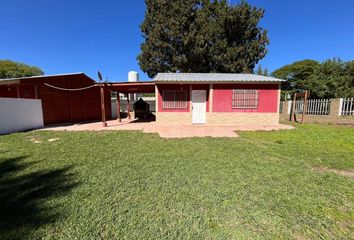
(244, 98)
(174, 99)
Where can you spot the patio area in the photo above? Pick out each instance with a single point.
(166, 131)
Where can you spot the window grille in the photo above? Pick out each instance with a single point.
(174, 99)
(244, 98)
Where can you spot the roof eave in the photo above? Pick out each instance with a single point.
(9, 82)
(43, 76)
(216, 82)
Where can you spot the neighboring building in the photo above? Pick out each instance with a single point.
(60, 105)
(217, 98)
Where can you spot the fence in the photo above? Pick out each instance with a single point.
(347, 107)
(18, 114)
(336, 111)
(313, 106)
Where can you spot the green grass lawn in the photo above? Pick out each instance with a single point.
(131, 185)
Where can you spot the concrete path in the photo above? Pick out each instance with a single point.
(190, 131)
(166, 131)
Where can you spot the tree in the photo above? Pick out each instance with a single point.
(260, 71)
(265, 72)
(201, 36)
(11, 69)
(296, 74)
(329, 79)
(350, 69)
(164, 29)
(332, 79)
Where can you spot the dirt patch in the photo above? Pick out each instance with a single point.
(300, 237)
(34, 139)
(53, 139)
(347, 224)
(348, 227)
(346, 173)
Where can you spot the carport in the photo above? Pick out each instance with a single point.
(125, 88)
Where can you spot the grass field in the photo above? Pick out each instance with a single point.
(130, 185)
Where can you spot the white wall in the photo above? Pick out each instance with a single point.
(18, 114)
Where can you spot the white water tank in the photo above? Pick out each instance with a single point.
(133, 76)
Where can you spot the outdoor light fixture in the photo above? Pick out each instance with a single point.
(288, 96)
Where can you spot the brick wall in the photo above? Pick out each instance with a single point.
(242, 119)
(218, 118)
(333, 117)
(178, 118)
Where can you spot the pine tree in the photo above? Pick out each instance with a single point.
(164, 29)
(259, 70)
(265, 72)
(201, 36)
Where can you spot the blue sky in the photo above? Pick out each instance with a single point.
(85, 35)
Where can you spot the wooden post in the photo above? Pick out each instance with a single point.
(304, 108)
(103, 111)
(118, 107)
(69, 101)
(128, 106)
(292, 116)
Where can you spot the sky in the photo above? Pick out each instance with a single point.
(65, 36)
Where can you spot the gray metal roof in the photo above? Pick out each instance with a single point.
(213, 77)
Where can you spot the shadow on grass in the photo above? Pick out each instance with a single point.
(23, 194)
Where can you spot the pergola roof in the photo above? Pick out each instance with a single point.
(131, 87)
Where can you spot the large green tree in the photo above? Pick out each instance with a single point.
(332, 79)
(165, 29)
(201, 36)
(329, 79)
(296, 74)
(11, 69)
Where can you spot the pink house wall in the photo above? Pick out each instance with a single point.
(222, 96)
(162, 87)
(267, 98)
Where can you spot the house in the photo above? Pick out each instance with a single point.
(60, 105)
(217, 99)
(181, 98)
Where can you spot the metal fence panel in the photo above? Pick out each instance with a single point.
(313, 107)
(347, 107)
